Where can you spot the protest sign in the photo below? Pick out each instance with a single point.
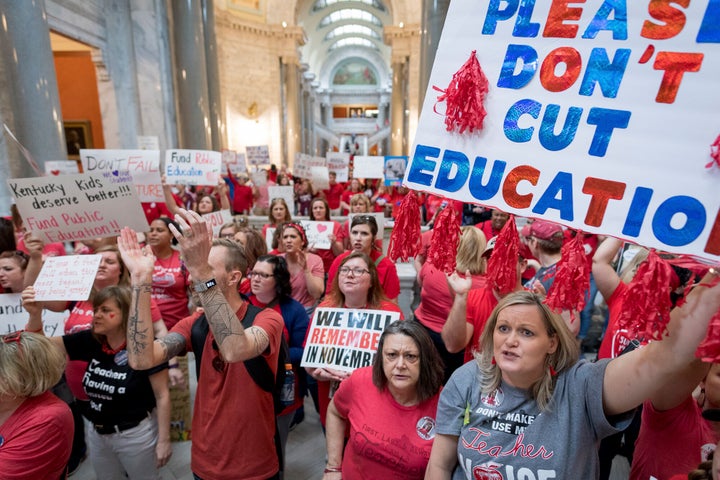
(192, 167)
(13, 317)
(318, 234)
(301, 167)
(339, 163)
(269, 234)
(258, 177)
(229, 157)
(344, 338)
(239, 167)
(78, 207)
(69, 277)
(285, 192)
(61, 167)
(320, 178)
(217, 220)
(148, 142)
(143, 165)
(258, 155)
(368, 167)
(394, 170)
(600, 117)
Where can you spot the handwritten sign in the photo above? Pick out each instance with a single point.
(344, 338)
(148, 142)
(13, 317)
(318, 234)
(301, 167)
(368, 167)
(339, 162)
(600, 117)
(78, 207)
(258, 155)
(320, 178)
(395, 170)
(285, 192)
(61, 167)
(239, 167)
(269, 234)
(69, 277)
(217, 220)
(193, 167)
(143, 165)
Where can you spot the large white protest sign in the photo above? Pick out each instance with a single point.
(320, 178)
(339, 162)
(285, 192)
(239, 167)
(318, 234)
(143, 165)
(344, 338)
(193, 167)
(78, 207)
(301, 167)
(258, 155)
(69, 277)
(600, 117)
(61, 167)
(13, 317)
(217, 219)
(368, 167)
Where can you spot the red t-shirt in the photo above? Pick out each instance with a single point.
(233, 422)
(36, 439)
(169, 288)
(49, 250)
(387, 273)
(333, 195)
(154, 210)
(615, 340)
(242, 201)
(480, 304)
(298, 282)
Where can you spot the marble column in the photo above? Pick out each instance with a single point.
(433, 19)
(292, 102)
(217, 112)
(30, 102)
(194, 129)
(397, 114)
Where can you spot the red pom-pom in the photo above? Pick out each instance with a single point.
(502, 267)
(464, 97)
(405, 236)
(715, 153)
(709, 349)
(445, 240)
(647, 304)
(572, 278)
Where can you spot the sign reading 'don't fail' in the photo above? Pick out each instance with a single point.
(193, 167)
(78, 207)
(600, 116)
(344, 338)
(143, 165)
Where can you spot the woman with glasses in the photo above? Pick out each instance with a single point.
(36, 427)
(357, 285)
(363, 232)
(306, 269)
(129, 437)
(320, 212)
(230, 229)
(389, 408)
(270, 282)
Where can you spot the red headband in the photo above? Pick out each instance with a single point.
(299, 229)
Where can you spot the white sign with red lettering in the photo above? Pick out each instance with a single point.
(143, 165)
(193, 167)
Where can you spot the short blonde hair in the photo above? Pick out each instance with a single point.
(469, 254)
(30, 366)
(359, 198)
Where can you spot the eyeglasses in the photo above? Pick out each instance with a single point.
(356, 271)
(262, 275)
(217, 362)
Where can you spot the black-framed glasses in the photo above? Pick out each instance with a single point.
(217, 362)
(356, 271)
(262, 275)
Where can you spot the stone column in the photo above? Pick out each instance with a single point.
(217, 112)
(433, 19)
(29, 104)
(397, 114)
(292, 103)
(194, 129)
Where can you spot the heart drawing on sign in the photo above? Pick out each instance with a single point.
(321, 228)
(55, 172)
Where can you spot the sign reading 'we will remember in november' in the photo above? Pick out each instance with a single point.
(600, 116)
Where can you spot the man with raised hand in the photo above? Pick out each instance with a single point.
(234, 421)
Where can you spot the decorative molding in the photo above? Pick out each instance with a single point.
(291, 32)
(98, 60)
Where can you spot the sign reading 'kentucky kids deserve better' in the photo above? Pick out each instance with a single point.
(600, 116)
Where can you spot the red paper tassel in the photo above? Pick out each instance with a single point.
(405, 236)
(502, 267)
(572, 278)
(647, 304)
(715, 153)
(445, 240)
(709, 349)
(464, 97)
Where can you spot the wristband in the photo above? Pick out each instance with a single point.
(33, 331)
(174, 366)
(332, 470)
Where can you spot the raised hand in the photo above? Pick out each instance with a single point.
(139, 261)
(458, 284)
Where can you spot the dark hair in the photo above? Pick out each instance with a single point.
(431, 365)
(21, 257)
(375, 295)
(235, 258)
(283, 289)
(327, 209)
(366, 220)
(167, 223)
(215, 203)
(299, 229)
(121, 296)
(7, 235)
(255, 245)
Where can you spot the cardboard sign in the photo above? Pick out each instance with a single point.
(193, 167)
(395, 170)
(285, 192)
(258, 155)
(344, 338)
(61, 167)
(301, 167)
(143, 165)
(258, 177)
(69, 277)
(78, 207)
(339, 163)
(599, 117)
(319, 176)
(13, 317)
(217, 220)
(318, 234)
(269, 234)
(368, 167)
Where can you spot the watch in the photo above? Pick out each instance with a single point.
(200, 287)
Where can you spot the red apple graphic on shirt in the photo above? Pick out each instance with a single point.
(487, 472)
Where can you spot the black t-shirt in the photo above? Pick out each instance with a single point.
(117, 392)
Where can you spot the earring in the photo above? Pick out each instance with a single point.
(492, 361)
(553, 373)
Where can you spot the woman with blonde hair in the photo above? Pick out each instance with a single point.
(36, 427)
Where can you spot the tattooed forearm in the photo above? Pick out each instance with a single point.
(172, 345)
(138, 338)
(220, 316)
(259, 338)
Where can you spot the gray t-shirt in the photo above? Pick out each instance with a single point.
(505, 433)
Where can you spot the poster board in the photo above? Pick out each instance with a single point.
(192, 167)
(69, 277)
(339, 162)
(217, 220)
(368, 166)
(320, 178)
(395, 170)
(285, 192)
(344, 338)
(318, 234)
(78, 207)
(599, 117)
(258, 155)
(61, 167)
(13, 317)
(143, 165)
